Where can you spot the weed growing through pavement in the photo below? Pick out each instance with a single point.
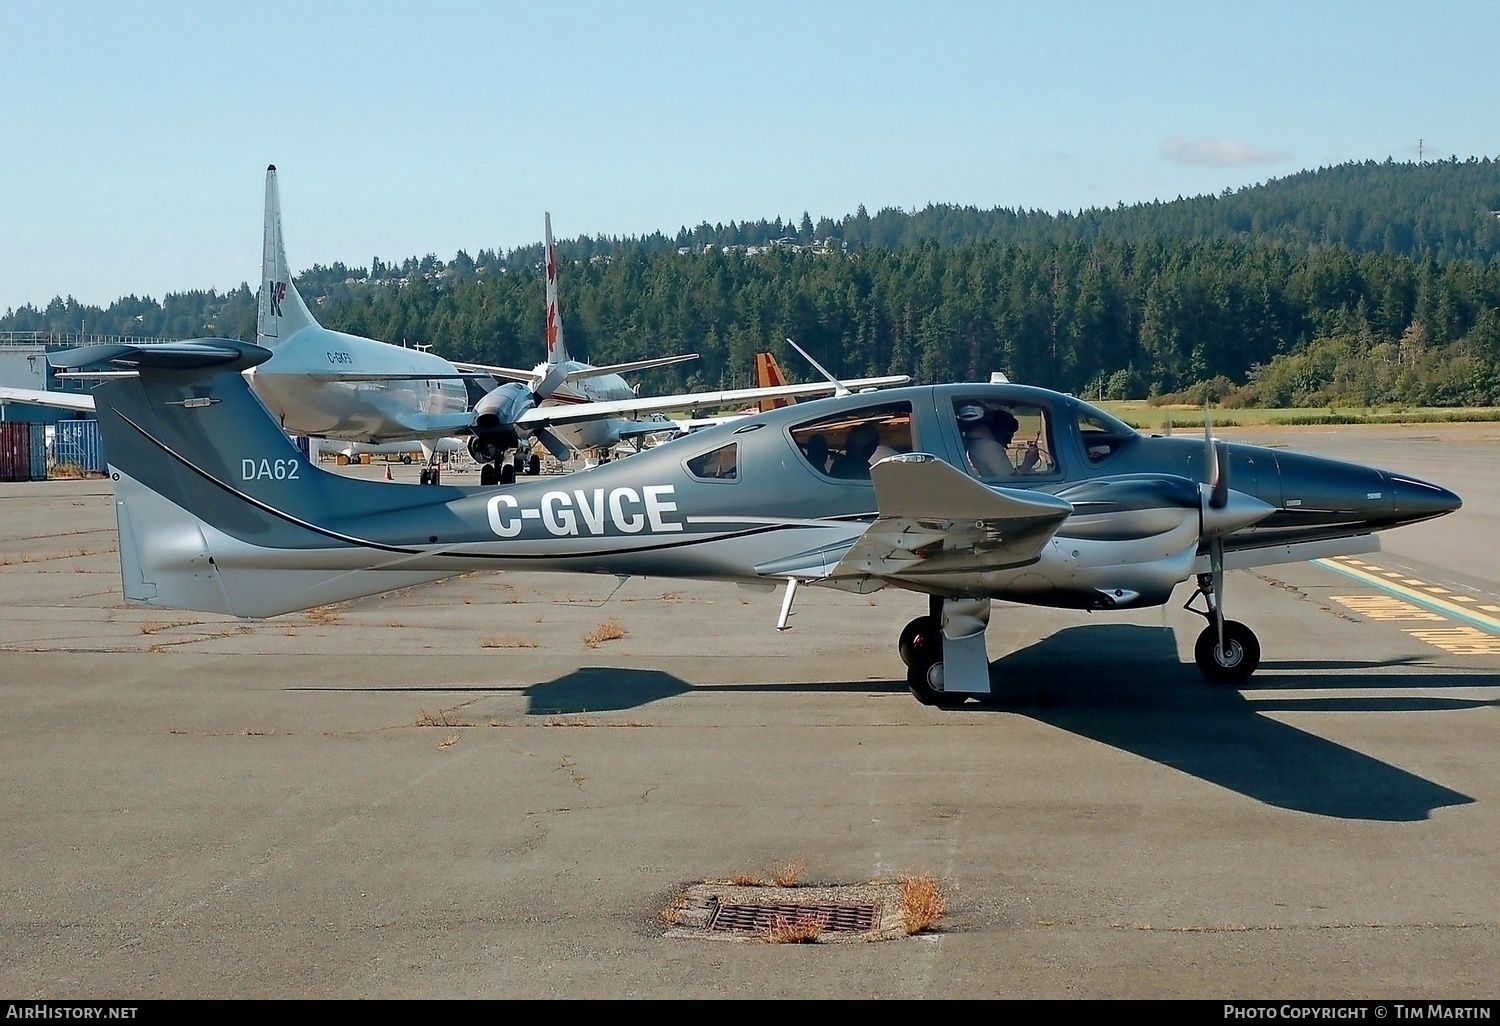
(506, 642)
(607, 631)
(788, 875)
(441, 718)
(797, 929)
(922, 903)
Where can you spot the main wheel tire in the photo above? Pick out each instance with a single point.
(926, 651)
(919, 679)
(488, 476)
(406, 458)
(425, 477)
(1238, 660)
(915, 635)
(507, 474)
(534, 465)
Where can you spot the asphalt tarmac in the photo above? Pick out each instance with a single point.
(467, 791)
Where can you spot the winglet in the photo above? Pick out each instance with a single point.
(282, 312)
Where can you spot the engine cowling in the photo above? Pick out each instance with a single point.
(495, 416)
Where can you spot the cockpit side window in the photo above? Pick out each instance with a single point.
(1005, 440)
(721, 464)
(845, 445)
(1103, 435)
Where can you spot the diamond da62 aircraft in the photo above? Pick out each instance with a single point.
(966, 493)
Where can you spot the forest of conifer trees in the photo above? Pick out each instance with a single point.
(1366, 283)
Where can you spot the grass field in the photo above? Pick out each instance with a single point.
(1141, 414)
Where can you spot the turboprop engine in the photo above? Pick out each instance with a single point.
(495, 419)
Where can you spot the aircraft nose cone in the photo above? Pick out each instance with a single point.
(1421, 500)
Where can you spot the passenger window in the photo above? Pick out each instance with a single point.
(1004, 439)
(1103, 435)
(721, 464)
(847, 444)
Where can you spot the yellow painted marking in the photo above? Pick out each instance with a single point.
(1414, 581)
(1457, 610)
(1459, 640)
(1386, 607)
(1436, 590)
(1390, 573)
(1462, 598)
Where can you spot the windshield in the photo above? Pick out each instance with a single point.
(1103, 435)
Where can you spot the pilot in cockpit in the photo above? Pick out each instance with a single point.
(987, 436)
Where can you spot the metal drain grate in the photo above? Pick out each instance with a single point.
(760, 918)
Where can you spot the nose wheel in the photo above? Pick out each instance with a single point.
(1227, 651)
(1232, 663)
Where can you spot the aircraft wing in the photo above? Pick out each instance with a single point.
(504, 373)
(80, 401)
(936, 517)
(626, 368)
(577, 412)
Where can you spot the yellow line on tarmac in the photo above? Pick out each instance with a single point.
(1421, 598)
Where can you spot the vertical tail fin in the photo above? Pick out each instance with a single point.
(557, 349)
(768, 374)
(282, 312)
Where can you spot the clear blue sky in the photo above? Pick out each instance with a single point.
(135, 136)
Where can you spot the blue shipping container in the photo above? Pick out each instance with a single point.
(76, 443)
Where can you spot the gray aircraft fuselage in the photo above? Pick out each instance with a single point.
(743, 501)
(311, 386)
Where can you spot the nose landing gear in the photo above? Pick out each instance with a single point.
(1237, 657)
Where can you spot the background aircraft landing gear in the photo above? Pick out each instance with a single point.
(1239, 656)
(534, 465)
(488, 476)
(507, 473)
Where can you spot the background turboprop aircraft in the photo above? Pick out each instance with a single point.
(575, 407)
(327, 384)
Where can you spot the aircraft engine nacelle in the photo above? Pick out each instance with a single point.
(495, 417)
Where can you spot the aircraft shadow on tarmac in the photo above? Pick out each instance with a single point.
(1125, 686)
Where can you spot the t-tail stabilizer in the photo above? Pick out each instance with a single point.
(218, 511)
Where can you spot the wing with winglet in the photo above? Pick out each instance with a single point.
(938, 518)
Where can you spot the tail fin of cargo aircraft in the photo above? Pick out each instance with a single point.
(282, 312)
(218, 511)
(557, 349)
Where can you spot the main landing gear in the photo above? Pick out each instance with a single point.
(944, 652)
(505, 473)
(1238, 654)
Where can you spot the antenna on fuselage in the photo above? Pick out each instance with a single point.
(839, 388)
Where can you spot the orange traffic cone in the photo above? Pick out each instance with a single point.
(388, 472)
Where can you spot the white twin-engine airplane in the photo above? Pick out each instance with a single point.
(573, 407)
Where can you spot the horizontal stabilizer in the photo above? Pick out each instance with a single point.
(194, 353)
